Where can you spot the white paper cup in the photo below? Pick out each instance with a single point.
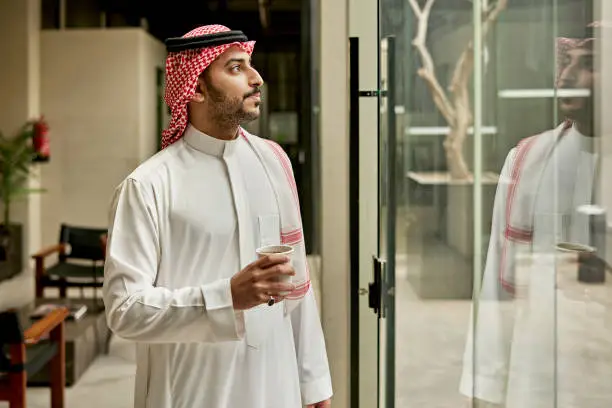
(286, 250)
(574, 248)
(568, 254)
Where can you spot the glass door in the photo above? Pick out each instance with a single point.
(389, 173)
(459, 280)
(430, 197)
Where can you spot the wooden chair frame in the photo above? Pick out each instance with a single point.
(14, 390)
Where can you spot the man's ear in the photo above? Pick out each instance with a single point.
(199, 95)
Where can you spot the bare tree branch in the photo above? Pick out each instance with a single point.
(457, 111)
(438, 95)
(464, 66)
(415, 8)
(492, 15)
(427, 72)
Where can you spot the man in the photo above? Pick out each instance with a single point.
(182, 278)
(536, 329)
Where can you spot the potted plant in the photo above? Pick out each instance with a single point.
(16, 157)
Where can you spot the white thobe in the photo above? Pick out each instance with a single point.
(533, 351)
(182, 224)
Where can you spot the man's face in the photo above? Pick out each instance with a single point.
(577, 73)
(231, 88)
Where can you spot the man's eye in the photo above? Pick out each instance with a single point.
(236, 68)
(566, 61)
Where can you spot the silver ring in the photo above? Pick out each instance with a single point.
(271, 301)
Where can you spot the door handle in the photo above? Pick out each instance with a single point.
(375, 287)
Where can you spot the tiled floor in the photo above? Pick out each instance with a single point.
(109, 382)
(431, 336)
(430, 340)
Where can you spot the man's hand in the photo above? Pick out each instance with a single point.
(322, 404)
(257, 282)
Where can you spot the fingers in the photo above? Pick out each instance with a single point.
(275, 271)
(265, 297)
(268, 261)
(262, 279)
(276, 288)
(265, 290)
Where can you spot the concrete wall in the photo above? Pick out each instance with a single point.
(19, 84)
(363, 24)
(334, 193)
(99, 95)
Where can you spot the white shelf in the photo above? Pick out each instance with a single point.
(543, 93)
(444, 178)
(444, 130)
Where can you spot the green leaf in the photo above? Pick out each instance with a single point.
(16, 159)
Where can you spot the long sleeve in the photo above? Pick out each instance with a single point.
(315, 377)
(487, 352)
(136, 308)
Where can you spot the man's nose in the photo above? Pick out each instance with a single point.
(568, 76)
(255, 80)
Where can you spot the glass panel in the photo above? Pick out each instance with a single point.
(486, 302)
(433, 231)
(388, 215)
(519, 100)
(543, 320)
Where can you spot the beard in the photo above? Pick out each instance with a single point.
(577, 108)
(230, 111)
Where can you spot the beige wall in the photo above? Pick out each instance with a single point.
(363, 24)
(19, 82)
(334, 192)
(98, 93)
(19, 70)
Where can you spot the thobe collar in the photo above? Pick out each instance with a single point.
(208, 144)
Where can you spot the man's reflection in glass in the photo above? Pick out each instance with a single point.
(541, 337)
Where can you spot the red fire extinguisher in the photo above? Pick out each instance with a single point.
(40, 141)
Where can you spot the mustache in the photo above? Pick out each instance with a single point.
(252, 93)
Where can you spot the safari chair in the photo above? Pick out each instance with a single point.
(81, 253)
(24, 354)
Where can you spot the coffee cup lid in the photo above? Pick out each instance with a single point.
(574, 247)
(274, 249)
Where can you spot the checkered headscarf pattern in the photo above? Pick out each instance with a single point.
(182, 72)
(564, 45)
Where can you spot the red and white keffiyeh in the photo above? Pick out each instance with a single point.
(564, 45)
(182, 71)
